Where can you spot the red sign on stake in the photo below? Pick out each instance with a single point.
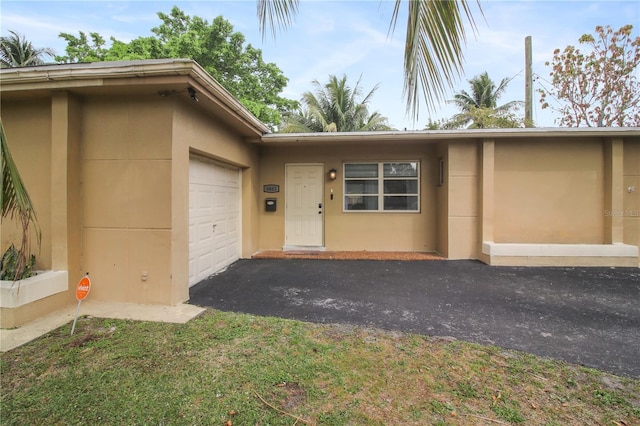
(82, 290)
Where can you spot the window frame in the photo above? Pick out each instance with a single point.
(380, 179)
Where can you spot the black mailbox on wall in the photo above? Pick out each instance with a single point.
(270, 204)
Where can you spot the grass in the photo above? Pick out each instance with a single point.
(236, 369)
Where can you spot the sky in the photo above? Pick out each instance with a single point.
(351, 38)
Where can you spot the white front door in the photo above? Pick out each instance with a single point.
(214, 217)
(304, 208)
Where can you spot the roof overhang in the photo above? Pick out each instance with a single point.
(163, 77)
(434, 136)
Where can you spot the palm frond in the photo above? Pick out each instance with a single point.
(276, 14)
(433, 48)
(17, 51)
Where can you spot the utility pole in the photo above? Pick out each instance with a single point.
(528, 84)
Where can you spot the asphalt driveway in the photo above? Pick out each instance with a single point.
(587, 316)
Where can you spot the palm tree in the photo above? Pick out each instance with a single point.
(16, 204)
(335, 107)
(484, 93)
(484, 97)
(433, 45)
(17, 51)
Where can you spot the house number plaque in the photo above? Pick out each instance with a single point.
(271, 188)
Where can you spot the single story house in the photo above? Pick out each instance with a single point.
(150, 176)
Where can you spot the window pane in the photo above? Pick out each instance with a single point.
(360, 203)
(361, 187)
(400, 169)
(401, 203)
(401, 186)
(360, 170)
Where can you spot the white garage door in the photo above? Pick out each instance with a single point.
(214, 217)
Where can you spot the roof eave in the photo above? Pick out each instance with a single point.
(440, 135)
(99, 73)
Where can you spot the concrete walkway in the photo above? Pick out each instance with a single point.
(588, 316)
(179, 314)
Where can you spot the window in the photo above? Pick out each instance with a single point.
(382, 186)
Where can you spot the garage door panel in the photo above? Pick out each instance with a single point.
(232, 226)
(204, 232)
(192, 270)
(204, 204)
(214, 214)
(192, 233)
(233, 196)
(232, 250)
(192, 200)
(220, 257)
(205, 265)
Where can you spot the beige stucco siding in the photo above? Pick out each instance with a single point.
(49, 168)
(462, 199)
(631, 192)
(375, 231)
(28, 131)
(126, 198)
(136, 193)
(549, 191)
(442, 199)
(209, 136)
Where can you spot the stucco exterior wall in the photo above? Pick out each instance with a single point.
(109, 176)
(442, 200)
(373, 231)
(549, 191)
(631, 193)
(126, 198)
(43, 136)
(462, 199)
(28, 130)
(135, 194)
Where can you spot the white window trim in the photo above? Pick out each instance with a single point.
(380, 180)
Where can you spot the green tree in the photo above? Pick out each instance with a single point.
(17, 51)
(433, 44)
(599, 88)
(237, 66)
(479, 108)
(335, 107)
(491, 118)
(83, 48)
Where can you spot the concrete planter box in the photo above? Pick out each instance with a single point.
(47, 283)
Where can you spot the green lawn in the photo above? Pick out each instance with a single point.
(225, 368)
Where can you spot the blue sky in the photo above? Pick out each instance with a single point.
(348, 37)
